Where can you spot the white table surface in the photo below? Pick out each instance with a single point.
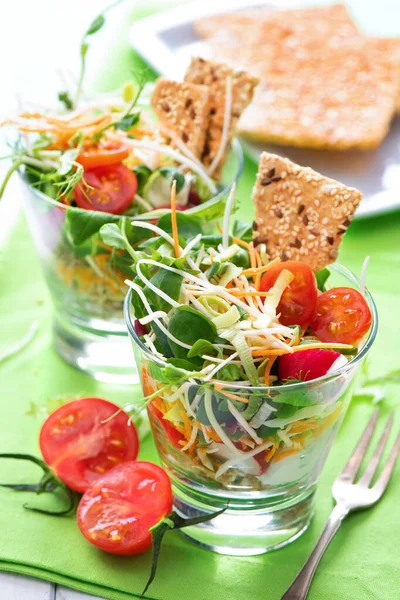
(52, 47)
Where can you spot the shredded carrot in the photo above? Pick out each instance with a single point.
(235, 397)
(270, 452)
(174, 223)
(258, 258)
(330, 419)
(186, 423)
(302, 426)
(243, 293)
(277, 352)
(214, 436)
(286, 452)
(252, 255)
(268, 368)
(262, 269)
(240, 242)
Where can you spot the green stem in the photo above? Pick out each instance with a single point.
(6, 179)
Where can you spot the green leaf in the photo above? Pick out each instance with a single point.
(111, 235)
(174, 175)
(298, 398)
(188, 326)
(65, 98)
(188, 227)
(229, 373)
(142, 175)
(322, 277)
(172, 521)
(127, 122)
(169, 283)
(83, 224)
(201, 347)
(208, 211)
(242, 230)
(182, 363)
(95, 25)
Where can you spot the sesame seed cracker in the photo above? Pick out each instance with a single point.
(214, 76)
(183, 108)
(315, 228)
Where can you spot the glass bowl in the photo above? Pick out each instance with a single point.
(267, 484)
(86, 279)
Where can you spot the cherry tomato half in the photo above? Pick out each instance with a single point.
(342, 316)
(307, 364)
(173, 434)
(117, 511)
(297, 304)
(112, 189)
(101, 155)
(80, 447)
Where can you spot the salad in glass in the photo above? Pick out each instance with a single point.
(247, 364)
(100, 159)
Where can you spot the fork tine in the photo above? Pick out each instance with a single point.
(355, 460)
(374, 462)
(384, 478)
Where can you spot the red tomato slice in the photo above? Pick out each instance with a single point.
(297, 305)
(100, 155)
(112, 189)
(306, 365)
(80, 447)
(342, 316)
(117, 511)
(173, 434)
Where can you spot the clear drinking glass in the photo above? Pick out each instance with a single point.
(270, 487)
(86, 281)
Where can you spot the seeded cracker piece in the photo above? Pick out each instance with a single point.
(214, 76)
(184, 109)
(300, 214)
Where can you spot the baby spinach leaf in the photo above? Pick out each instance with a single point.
(201, 347)
(111, 235)
(188, 326)
(174, 175)
(162, 340)
(127, 122)
(298, 398)
(322, 277)
(169, 283)
(83, 224)
(142, 174)
(242, 230)
(182, 363)
(187, 226)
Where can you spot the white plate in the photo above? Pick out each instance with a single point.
(167, 41)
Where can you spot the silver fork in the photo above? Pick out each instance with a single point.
(349, 496)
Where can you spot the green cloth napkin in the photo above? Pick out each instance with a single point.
(363, 560)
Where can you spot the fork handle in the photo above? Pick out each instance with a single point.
(299, 588)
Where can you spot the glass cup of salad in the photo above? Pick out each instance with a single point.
(247, 398)
(103, 164)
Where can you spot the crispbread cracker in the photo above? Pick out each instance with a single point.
(343, 98)
(184, 109)
(300, 214)
(323, 84)
(214, 77)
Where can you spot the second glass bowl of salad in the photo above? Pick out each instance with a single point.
(259, 450)
(86, 277)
